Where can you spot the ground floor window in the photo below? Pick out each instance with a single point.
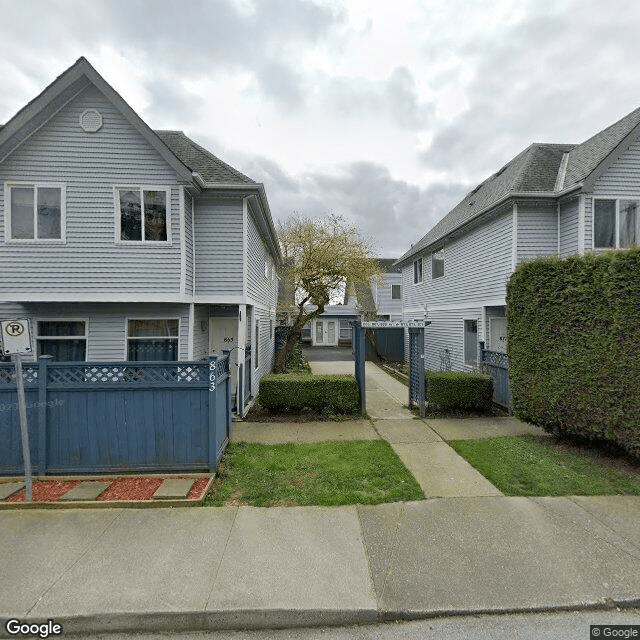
(64, 340)
(152, 340)
(470, 342)
(345, 330)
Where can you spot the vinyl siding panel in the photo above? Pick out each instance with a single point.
(266, 345)
(106, 330)
(200, 337)
(569, 228)
(260, 289)
(537, 231)
(218, 233)
(384, 303)
(188, 244)
(477, 267)
(444, 338)
(91, 166)
(621, 179)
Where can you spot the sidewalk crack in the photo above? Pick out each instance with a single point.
(222, 555)
(82, 554)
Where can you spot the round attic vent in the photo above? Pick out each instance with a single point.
(90, 120)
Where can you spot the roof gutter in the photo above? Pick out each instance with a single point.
(531, 195)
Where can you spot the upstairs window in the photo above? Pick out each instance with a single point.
(616, 223)
(143, 214)
(437, 264)
(417, 271)
(396, 292)
(35, 212)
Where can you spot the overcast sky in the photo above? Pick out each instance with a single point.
(384, 111)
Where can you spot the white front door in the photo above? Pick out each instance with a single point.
(223, 336)
(498, 334)
(325, 333)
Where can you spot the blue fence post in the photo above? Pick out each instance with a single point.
(359, 363)
(43, 363)
(212, 412)
(227, 396)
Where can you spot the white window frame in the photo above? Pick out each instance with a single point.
(118, 215)
(417, 280)
(152, 319)
(473, 363)
(35, 185)
(617, 221)
(38, 337)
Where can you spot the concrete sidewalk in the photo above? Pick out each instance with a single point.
(242, 567)
(465, 549)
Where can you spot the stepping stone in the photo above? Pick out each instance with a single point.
(173, 490)
(86, 491)
(9, 488)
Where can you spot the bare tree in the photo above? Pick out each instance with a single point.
(320, 257)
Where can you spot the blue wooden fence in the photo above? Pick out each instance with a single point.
(89, 417)
(495, 363)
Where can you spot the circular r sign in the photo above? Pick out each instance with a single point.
(14, 329)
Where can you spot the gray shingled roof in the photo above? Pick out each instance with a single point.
(584, 158)
(388, 265)
(533, 170)
(198, 159)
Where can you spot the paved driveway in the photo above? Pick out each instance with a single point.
(328, 354)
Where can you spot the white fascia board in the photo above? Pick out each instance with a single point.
(183, 241)
(497, 302)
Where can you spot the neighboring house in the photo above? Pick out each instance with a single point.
(551, 199)
(123, 243)
(380, 299)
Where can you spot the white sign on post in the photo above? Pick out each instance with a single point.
(392, 324)
(16, 337)
(16, 341)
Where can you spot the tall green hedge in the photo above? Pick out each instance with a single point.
(573, 343)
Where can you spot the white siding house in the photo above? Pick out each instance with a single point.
(551, 199)
(123, 243)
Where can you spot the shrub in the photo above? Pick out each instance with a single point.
(455, 390)
(573, 345)
(290, 392)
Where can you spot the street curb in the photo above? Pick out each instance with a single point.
(248, 619)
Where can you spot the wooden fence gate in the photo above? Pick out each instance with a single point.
(495, 363)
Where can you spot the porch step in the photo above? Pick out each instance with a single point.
(86, 491)
(172, 489)
(9, 488)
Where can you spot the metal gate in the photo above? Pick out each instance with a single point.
(496, 364)
(416, 369)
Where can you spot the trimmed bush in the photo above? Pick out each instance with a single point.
(574, 346)
(287, 392)
(456, 390)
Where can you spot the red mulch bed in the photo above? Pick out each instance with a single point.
(121, 489)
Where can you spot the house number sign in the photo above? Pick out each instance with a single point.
(16, 337)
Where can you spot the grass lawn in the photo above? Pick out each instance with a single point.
(522, 466)
(327, 473)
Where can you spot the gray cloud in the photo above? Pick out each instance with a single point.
(396, 97)
(183, 39)
(530, 86)
(392, 213)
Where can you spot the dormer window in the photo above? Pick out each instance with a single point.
(142, 215)
(34, 212)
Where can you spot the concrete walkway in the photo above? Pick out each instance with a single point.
(170, 570)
